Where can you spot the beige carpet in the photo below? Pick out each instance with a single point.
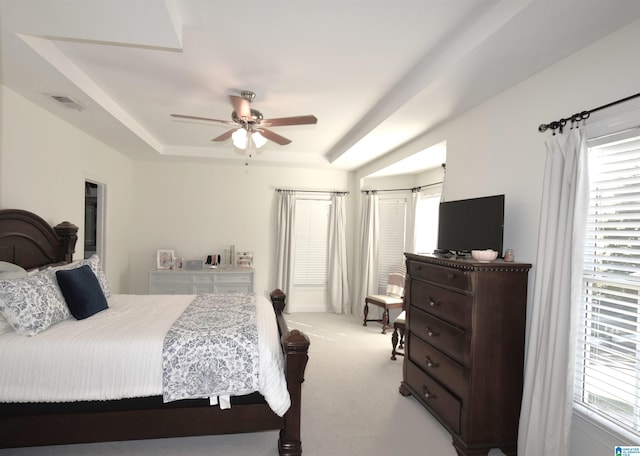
(351, 405)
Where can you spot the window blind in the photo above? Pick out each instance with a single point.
(311, 242)
(608, 356)
(392, 219)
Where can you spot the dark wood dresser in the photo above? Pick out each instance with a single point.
(465, 347)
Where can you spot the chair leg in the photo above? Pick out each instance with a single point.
(385, 320)
(394, 343)
(401, 339)
(366, 313)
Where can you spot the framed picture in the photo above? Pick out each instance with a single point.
(245, 259)
(164, 259)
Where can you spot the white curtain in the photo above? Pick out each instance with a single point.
(367, 267)
(412, 210)
(545, 419)
(284, 241)
(338, 281)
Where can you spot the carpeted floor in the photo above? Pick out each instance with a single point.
(351, 405)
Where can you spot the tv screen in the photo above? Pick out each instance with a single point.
(471, 224)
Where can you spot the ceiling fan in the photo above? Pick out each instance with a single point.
(249, 124)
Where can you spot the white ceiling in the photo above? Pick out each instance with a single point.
(376, 74)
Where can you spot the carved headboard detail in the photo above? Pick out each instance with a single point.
(27, 240)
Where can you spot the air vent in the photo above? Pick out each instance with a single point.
(66, 102)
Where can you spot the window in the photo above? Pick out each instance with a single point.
(427, 221)
(608, 357)
(311, 242)
(391, 223)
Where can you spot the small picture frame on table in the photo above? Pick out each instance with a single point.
(164, 258)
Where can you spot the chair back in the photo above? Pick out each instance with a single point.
(395, 284)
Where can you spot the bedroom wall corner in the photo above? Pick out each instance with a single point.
(44, 162)
(197, 207)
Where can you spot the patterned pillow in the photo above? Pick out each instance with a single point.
(32, 304)
(96, 267)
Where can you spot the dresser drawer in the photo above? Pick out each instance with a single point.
(170, 288)
(170, 278)
(202, 279)
(445, 405)
(445, 337)
(437, 364)
(233, 278)
(450, 277)
(449, 305)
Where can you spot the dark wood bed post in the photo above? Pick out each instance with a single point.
(296, 349)
(69, 234)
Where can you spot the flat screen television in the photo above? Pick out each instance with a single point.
(471, 224)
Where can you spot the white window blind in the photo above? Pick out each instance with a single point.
(392, 219)
(608, 356)
(311, 242)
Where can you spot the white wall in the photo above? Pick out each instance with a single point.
(44, 162)
(496, 148)
(196, 207)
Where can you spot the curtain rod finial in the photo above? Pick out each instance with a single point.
(542, 128)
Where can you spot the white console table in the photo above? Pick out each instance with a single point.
(181, 281)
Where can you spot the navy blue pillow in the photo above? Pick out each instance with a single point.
(81, 291)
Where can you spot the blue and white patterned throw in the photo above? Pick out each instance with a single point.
(212, 349)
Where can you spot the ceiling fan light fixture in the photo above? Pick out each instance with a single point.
(239, 138)
(258, 139)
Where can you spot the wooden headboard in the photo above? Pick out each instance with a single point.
(28, 241)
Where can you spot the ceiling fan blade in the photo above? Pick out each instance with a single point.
(182, 116)
(276, 138)
(296, 120)
(224, 136)
(241, 106)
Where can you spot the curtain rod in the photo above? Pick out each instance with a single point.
(584, 115)
(413, 189)
(336, 192)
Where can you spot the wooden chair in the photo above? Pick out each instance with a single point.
(393, 299)
(399, 325)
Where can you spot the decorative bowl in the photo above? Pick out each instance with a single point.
(484, 256)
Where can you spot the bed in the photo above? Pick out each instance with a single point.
(28, 241)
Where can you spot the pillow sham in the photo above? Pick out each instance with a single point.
(32, 304)
(5, 327)
(11, 271)
(94, 263)
(81, 291)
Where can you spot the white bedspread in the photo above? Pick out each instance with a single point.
(117, 354)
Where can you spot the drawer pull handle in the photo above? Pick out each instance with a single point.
(428, 394)
(430, 363)
(433, 302)
(431, 332)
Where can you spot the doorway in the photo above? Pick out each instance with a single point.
(94, 219)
